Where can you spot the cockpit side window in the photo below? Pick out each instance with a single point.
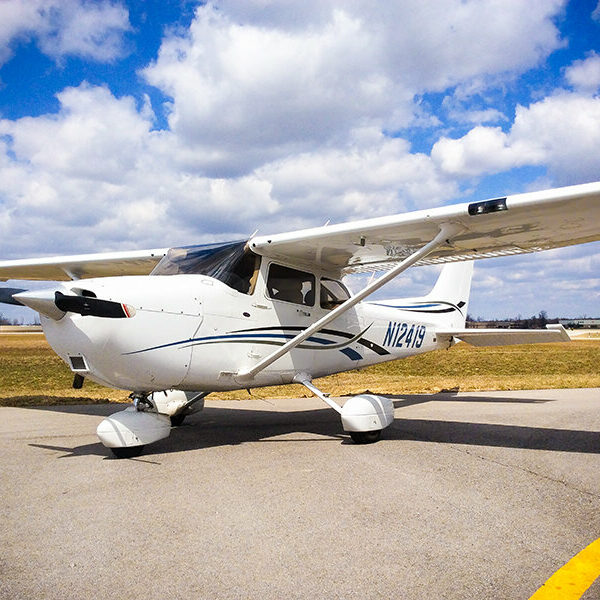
(333, 293)
(291, 285)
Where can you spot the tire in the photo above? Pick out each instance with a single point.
(365, 437)
(127, 451)
(177, 420)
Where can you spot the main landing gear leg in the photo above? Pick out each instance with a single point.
(363, 417)
(184, 410)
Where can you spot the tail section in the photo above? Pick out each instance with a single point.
(454, 288)
(448, 301)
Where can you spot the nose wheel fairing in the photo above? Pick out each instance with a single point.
(131, 428)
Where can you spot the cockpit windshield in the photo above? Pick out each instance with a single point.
(232, 263)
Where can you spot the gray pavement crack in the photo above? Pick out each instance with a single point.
(529, 471)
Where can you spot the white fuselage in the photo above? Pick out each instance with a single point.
(193, 332)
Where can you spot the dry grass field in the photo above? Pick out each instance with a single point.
(31, 374)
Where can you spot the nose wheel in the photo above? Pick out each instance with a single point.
(127, 451)
(365, 437)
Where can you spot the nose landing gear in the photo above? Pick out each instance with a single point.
(148, 420)
(141, 400)
(128, 431)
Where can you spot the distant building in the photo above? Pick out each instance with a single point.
(535, 323)
(493, 324)
(580, 323)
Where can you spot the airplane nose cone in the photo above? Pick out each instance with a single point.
(42, 301)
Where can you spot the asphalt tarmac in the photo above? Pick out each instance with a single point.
(475, 495)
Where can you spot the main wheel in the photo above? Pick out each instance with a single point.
(177, 420)
(365, 437)
(127, 451)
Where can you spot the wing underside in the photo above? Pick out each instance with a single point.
(65, 268)
(513, 225)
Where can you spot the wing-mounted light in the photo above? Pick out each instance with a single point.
(487, 206)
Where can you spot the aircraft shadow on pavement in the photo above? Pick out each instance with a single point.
(403, 400)
(100, 409)
(487, 434)
(399, 400)
(216, 427)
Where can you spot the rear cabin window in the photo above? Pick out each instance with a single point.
(291, 285)
(333, 293)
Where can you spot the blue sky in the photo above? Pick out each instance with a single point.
(127, 125)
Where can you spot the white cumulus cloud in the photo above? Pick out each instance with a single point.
(585, 74)
(92, 30)
(561, 132)
(248, 84)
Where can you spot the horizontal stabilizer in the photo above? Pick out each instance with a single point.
(506, 337)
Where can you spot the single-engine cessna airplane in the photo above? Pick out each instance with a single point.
(173, 325)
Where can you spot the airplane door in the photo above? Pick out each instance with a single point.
(222, 341)
(290, 296)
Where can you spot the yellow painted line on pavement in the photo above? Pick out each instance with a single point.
(571, 581)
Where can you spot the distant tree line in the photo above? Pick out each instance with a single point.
(535, 322)
(6, 321)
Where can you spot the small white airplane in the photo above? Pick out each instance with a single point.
(173, 325)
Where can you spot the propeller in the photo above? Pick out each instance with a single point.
(55, 304)
(94, 307)
(6, 295)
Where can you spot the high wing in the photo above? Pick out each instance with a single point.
(511, 225)
(64, 268)
(503, 226)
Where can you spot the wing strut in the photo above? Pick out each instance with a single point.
(447, 231)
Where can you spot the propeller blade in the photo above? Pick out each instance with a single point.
(6, 295)
(94, 307)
